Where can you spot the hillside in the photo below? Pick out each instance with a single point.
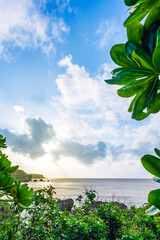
(25, 177)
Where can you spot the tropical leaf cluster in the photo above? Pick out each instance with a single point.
(139, 74)
(11, 190)
(139, 60)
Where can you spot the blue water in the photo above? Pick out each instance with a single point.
(128, 191)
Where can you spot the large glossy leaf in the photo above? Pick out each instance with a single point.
(145, 99)
(152, 211)
(126, 76)
(131, 89)
(141, 61)
(154, 198)
(139, 55)
(138, 15)
(155, 106)
(118, 55)
(151, 164)
(135, 32)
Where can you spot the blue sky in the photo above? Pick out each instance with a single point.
(59, 116)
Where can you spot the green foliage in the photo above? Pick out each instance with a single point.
(11, 190)
(45, 220)
(139, 73)
(139, 9)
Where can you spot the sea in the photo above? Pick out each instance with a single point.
(127, 191)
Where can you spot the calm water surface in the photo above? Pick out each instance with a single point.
(128, 191)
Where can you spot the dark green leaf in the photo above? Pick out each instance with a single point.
(118, 55)
(154, 198)
(128, 76)
(151, 164)
(145, 99)
(156, 58)
(157, 151)
(158, 37)
(130, 2)
(139, 55)
(131, 89)
(135, 32)
(150, 37)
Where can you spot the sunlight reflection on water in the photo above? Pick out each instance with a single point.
(128, 191)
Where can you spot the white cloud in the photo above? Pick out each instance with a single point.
(88, 111)
(58, 28)
(23, 24)
(109, 31)
(18, 109)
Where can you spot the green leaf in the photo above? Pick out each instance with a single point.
(152, 211)
(12, 169)
(130, 2)
(136, 53)
(5, 180)
(145, 99)
(158, 37)
(157, 151)
(131, 89)
(151, 164)
(152, 17)
(156, 58)
(2, 142)
(139, 55)
(142, 62)
(154, 198)
(138, 15)
(126, 76)
(150, 37)
(118, 55)
(4, 162)
(135, 32)
(148, 4)
(155, 106)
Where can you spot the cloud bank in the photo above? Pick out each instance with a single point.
(86, 154)
(30, 144)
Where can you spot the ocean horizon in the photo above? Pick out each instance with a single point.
(130, 191)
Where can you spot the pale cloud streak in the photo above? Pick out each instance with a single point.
(24, 25)
(109, 32)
